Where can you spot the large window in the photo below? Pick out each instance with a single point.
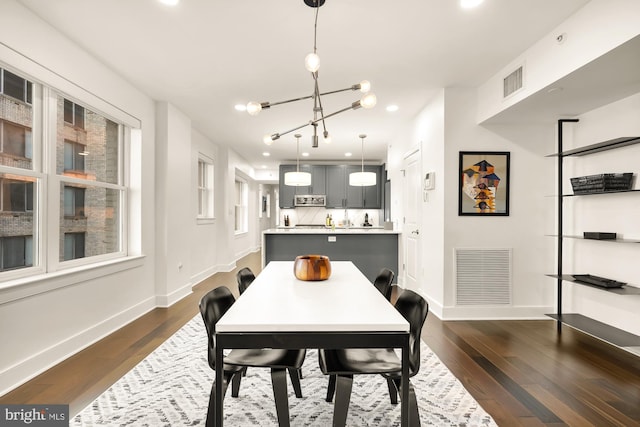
(241, 206)
(65, 150)
(205, 188)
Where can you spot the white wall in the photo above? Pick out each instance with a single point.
(174, 211)
(39, 330)
(531, 177)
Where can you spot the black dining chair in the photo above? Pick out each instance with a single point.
(345, 363)
(244, 276)
(383, 282)
(213, 306)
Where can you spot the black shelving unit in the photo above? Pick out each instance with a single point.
(593, 327)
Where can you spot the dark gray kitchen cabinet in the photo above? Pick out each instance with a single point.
(336, 186)
(364, 197)
(317, 187)
(333, 181)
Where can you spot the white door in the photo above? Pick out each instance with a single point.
(410, 231)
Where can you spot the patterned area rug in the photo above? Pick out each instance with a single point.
(171, 388)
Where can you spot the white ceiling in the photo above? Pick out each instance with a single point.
(205, 56)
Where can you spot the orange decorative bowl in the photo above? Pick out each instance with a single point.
(312, 267)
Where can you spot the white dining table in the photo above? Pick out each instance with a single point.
(344, 311)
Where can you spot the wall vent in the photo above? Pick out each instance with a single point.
(512, 83)
(483, 276)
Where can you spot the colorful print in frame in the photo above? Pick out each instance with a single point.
(484, 183)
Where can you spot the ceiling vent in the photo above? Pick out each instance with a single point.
(512, 83)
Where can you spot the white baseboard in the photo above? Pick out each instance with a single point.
(165, 301)
(496, 313)
(36, 364)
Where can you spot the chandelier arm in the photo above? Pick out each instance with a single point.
(353, 106)
(271, 104)
(354, 87)
(292, 130)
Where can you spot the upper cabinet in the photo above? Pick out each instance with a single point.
(369, 197)
(337, 186)
(333, 181)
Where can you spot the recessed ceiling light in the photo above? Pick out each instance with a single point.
(391, 108)
(305, 154)
(240, 107)
(470, 4)
(348, 154)
(266, 154)
(169, 2)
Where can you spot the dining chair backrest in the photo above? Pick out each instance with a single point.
(414, 309)
(383, 282)
(244, 277)
(213, 305)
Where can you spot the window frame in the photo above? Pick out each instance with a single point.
(46, 210)
(205, 189)
(241, 206)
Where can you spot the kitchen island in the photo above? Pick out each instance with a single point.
(370, 249)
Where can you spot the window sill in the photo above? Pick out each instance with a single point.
(203, 221)
(24, 287)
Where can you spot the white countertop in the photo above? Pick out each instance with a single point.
(351, 230)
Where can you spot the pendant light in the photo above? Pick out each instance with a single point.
(297, 178)
(362, 178)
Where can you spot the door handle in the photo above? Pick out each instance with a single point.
(415, 232)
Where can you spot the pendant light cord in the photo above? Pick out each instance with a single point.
(362, 151)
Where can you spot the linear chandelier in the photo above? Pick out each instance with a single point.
(312, 64)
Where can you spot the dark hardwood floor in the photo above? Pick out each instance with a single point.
(523, 373)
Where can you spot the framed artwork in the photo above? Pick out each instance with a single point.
(483, 188)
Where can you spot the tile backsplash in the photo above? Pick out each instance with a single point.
(318, 215)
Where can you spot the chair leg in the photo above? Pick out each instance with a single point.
(279, 383)
(414, 413)
(235, 384)
(344, 384)
(331, 388)
(295, 381)
(244, 372)
(211, 411)
(393, 391)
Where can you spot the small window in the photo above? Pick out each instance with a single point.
(73, 246)
(16, 196)
(73, 114)
(205, 188)
(16, 140)
(74, 155)
(15, 86)
(74, 202)
(16, 251)
(241, 207)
